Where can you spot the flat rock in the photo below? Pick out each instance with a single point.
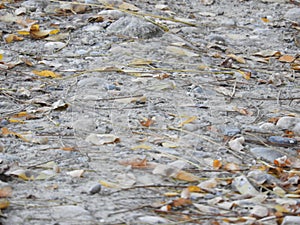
(265, 154)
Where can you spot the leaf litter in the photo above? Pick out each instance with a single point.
(148, 147)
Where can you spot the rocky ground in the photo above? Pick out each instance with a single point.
(147, 112)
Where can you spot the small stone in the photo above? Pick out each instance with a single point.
(51, 46)
(231, 131)
(95, 189)
(282, 140)
(265, 154)
(293, 14)
(289, 123)
(291, 220)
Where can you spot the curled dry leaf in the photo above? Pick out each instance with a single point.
(46, 73)
(4, 203)
(101, 139)
(135, 163)
(231, 167)
(208, 185)
(76, 173)
(217, 164)
(5, 192)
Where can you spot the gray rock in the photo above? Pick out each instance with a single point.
(71, 212)
(289, 123)
(293, 15)
(265, 154)
(135, 28)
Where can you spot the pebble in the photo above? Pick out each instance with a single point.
(230, 132)
(95, 189)
(289, 123)
(291, 220)
(293, 14)
(282, 140)
(265, 154)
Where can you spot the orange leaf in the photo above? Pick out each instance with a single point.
(287, 58)
(147, 123)
(69, 149)
(265, 19)
(217, 164)
(194, 189)
(182, 175)
(181, 202)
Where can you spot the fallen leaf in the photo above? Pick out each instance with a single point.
(181, 51)
(188, 120)
(101, 139)
(135, 163)
(287, 58)
(265, 20)
(180, 202)
(140, 62)
(46, 73)
(239, 59)
(5, 192)
(208, 185)
(183, 175)
(4, 203)
(268, 53)
(231, 167)
(76, 173)
(128, 6)
(147, 122)
(12, 37)
(217, 164)
(143, 146)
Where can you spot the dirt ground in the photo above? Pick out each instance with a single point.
(150, 112)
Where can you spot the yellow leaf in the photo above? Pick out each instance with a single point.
(54, 31)
(15, 121)
(46, 73)
(1, 55)
(143, 146)
(23, 32)
(108, 184)
(35, 27)
(239, 59)
(4, 203)
(12, 37)
(189, 120)
(194, 189)
(265, 20)
(171, 194)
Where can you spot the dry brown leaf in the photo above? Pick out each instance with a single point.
(76, 173)
(188, 120)
(4, 203)
(268, 53)
(287, 58)
(128, 6)
(135, 163)
(231, 167)
(102, 139)
(12, 37)
(182, 175)
(5, 192)
(239, 59)
(69, 149)
(217, 164)
(147, 122)
(181, 202)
